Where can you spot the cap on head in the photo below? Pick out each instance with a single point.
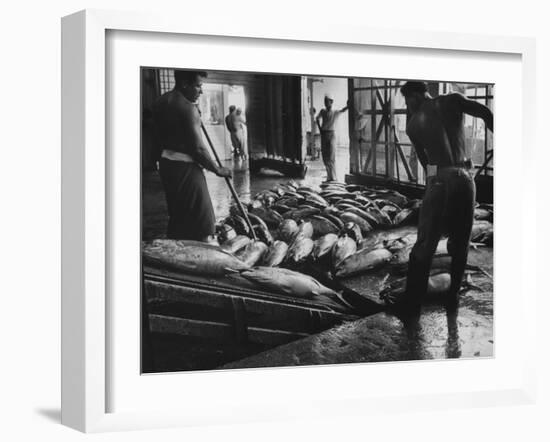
(329, 96)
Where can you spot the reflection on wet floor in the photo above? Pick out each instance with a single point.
(247, 186)
(155, 215)
(436, 333)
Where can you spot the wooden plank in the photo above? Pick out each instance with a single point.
(393, 158)
(384, 121)
(215, 298)
(372, 153)
(218, 331)
(284, 315)
(402, 156)
(239, 317)
(354, 157)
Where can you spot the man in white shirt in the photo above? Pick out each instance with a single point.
(329, 117)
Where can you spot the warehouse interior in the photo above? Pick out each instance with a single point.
(191, 322)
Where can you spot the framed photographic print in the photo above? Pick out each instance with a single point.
(245, 222)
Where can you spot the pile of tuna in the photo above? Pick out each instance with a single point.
(343, 229)
(351, 229)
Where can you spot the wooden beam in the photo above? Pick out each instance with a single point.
(218, 330)
(402, 155)
(373, 152)
(485, 164)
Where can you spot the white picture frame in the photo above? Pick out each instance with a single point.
(86, 205)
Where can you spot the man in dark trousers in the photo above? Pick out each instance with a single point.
(436, 129)
(178, 132)
(230, 124)
(327, 129)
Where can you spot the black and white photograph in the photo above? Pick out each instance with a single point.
(302, 220)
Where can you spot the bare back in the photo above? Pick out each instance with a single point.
(437, 127)
(177, 122)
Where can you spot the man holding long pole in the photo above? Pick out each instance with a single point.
(184, 155)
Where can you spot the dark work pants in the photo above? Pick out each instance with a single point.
(328, 151)
(189, 204)
(447, 208)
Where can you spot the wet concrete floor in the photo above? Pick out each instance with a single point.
(436, 333)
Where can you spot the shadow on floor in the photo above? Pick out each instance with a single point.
(51, 414)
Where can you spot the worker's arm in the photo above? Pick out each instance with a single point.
(200, 153)
(318, 118)
(475, 109)
(241, 119)
(345, 108)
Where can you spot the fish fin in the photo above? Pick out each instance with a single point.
(385, 279)
(478, 269)
(475, 245)
(340, 296)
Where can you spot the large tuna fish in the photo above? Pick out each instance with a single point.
(362, 261)
(270, 217)
(394, 245)
(288, 230)
(353, 231)
(438, 284)
(239, 224)
(280, 208)
(334, 220)
(382, 218)
(366, 202)
(311, 189)
(483, 214)
(225, 232)
(276, 254)
(337, 194)
(236, 244)
(289, 201)
(301, 213)
(313, 198)
(344, 247)
(364, 214)
(287, 282)
(323, 245)
(263, 234)
(300, 249)
(192, 257)
(252, 253)
(260, 228)
(481, 229)
(405, 216)
(364, 225)
(321, 226)
(305, 230)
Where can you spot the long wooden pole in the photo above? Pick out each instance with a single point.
(230, 185)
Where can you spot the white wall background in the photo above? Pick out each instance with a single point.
(30, 217)
(338, 87)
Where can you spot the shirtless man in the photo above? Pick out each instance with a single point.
(436, 129)
(178, 132)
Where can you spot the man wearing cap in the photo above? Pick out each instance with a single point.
(436, 129)
(177, 124)
(329, 118)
